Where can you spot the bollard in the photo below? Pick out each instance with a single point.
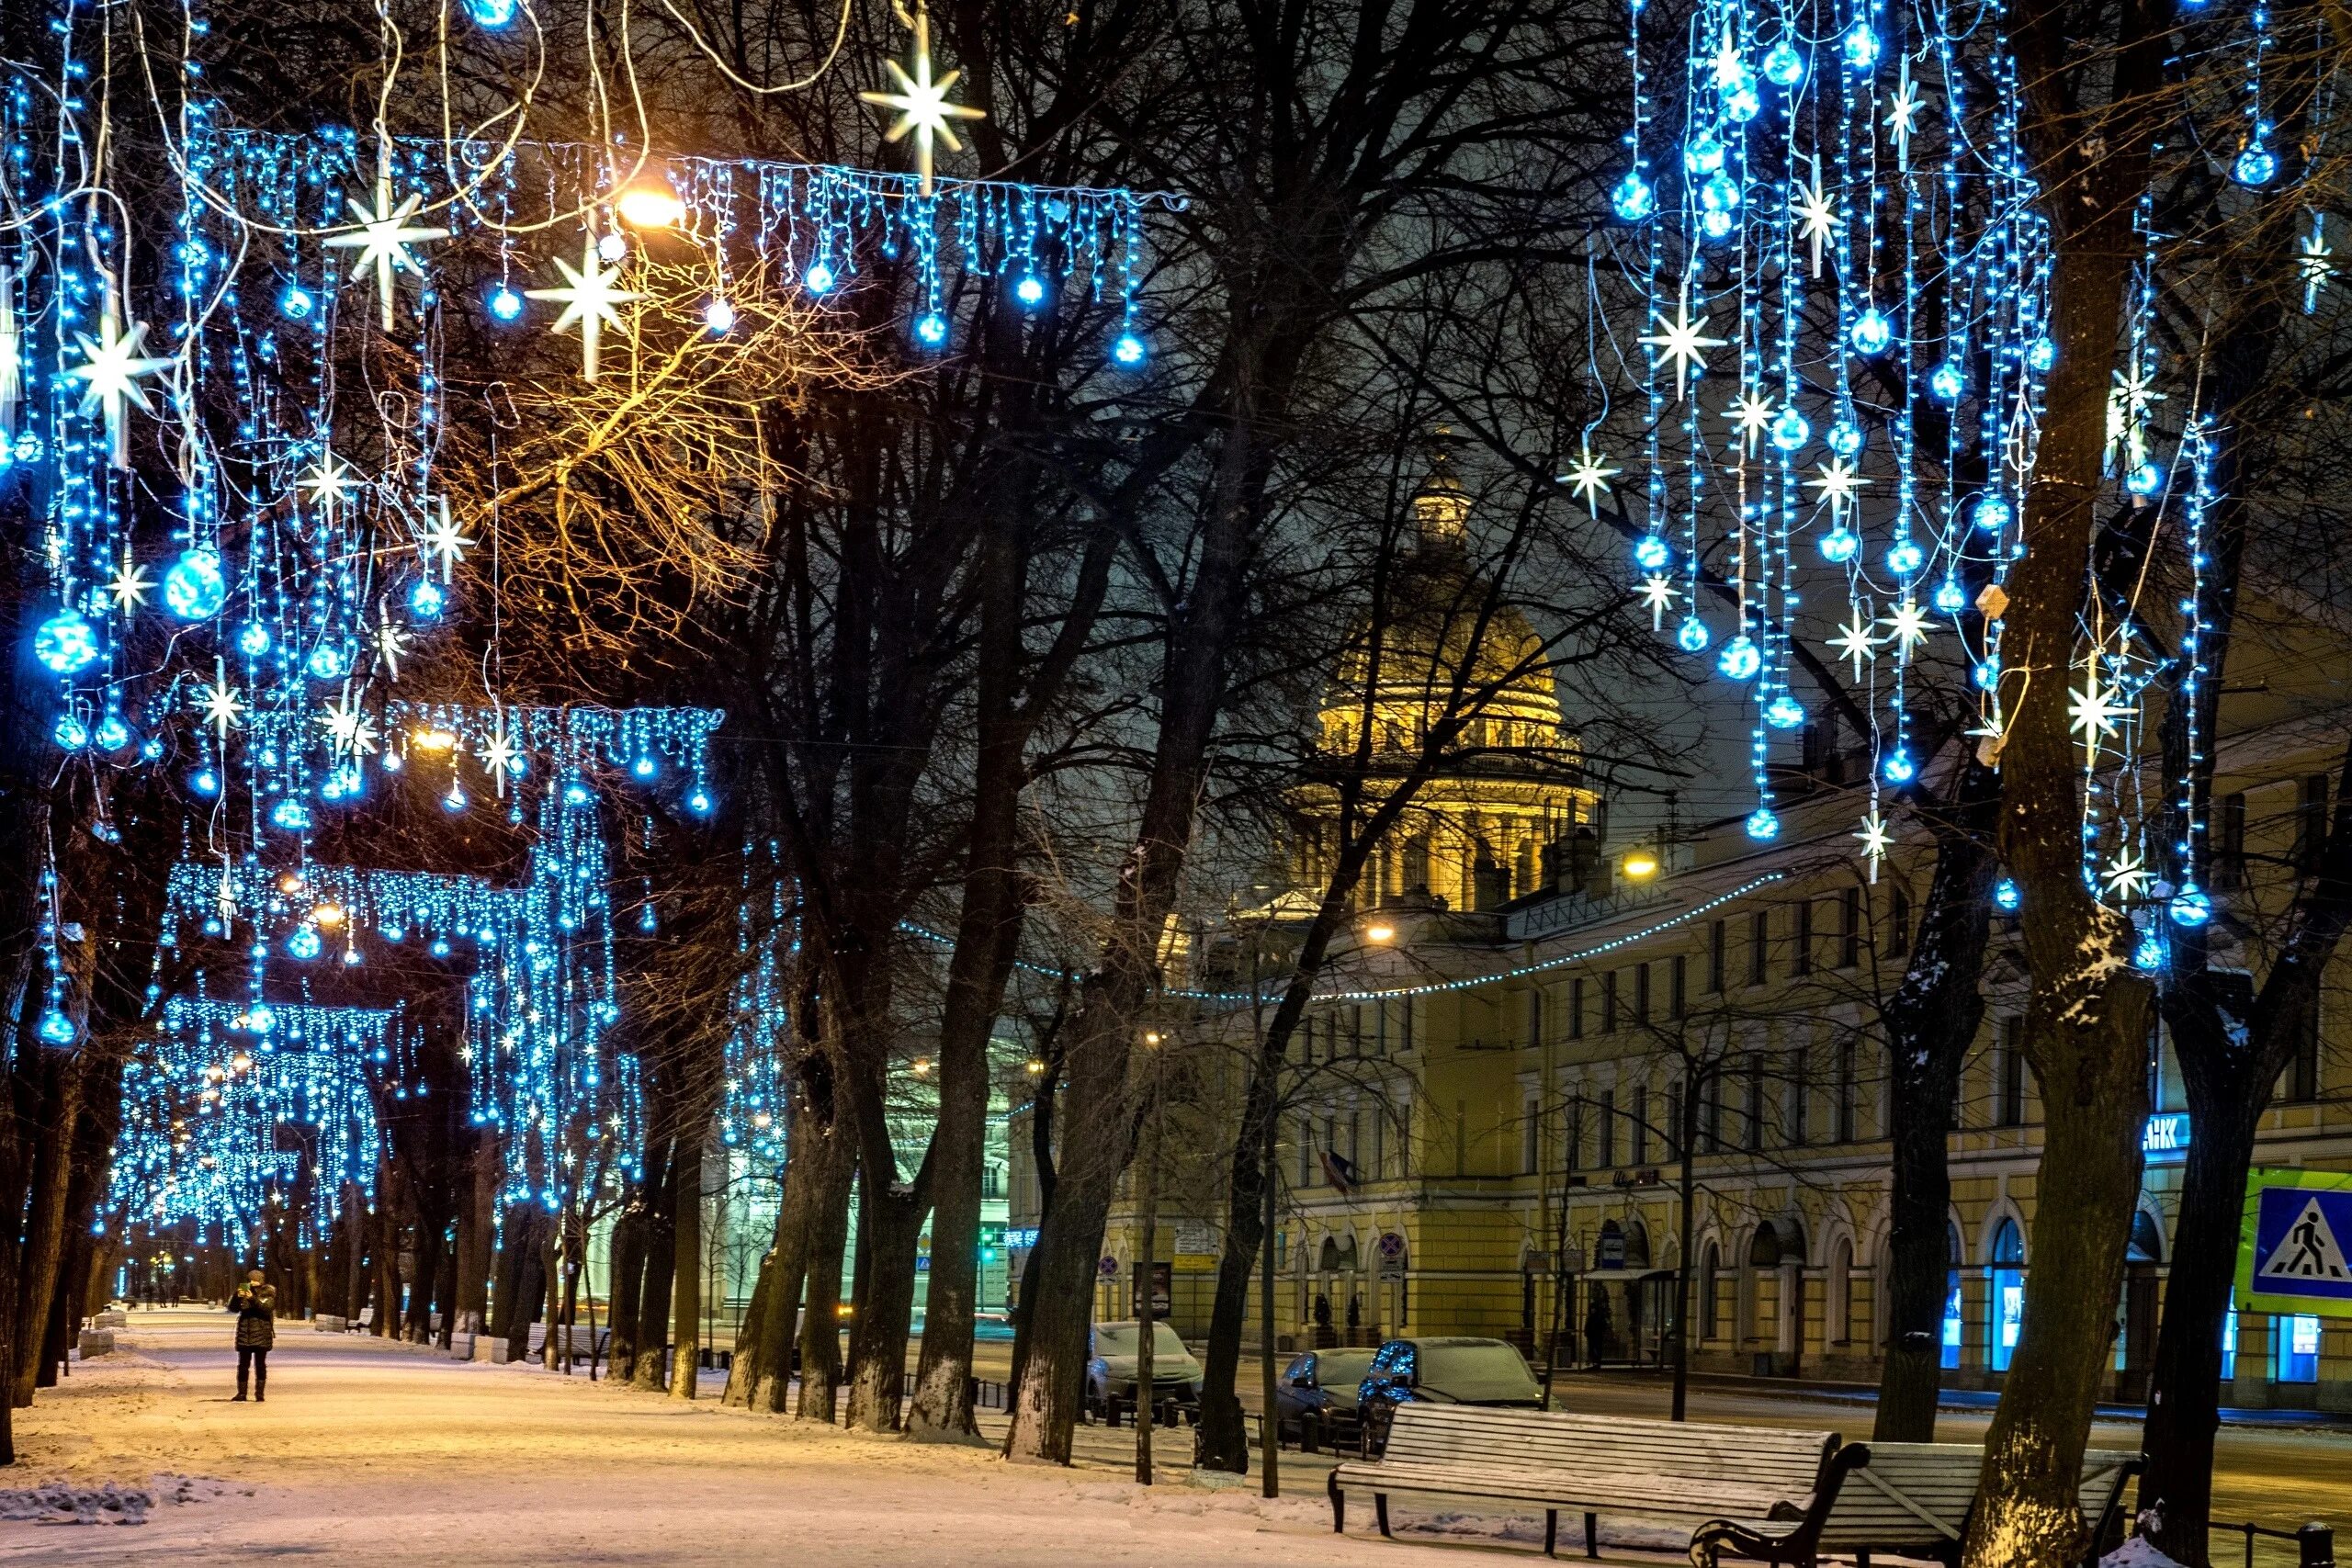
(1310, 1431)
(2315, 1546)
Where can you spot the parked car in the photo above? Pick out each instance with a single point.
(1111, 1368)
(1441, 1372)
(1321, 1383)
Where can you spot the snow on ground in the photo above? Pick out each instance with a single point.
(2137, 1552)
(390, 1454)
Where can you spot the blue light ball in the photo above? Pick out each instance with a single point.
(205, 782)
(505, 305)
(56, 1029)
(112, 733)
(1899, 768)
(425, 599)
(1844, 438)
(1947, 382)
(304, 943)
(1860, 47)
(1872, 331)
(1740, 658)
(819, 277)
(1633, 199)
(1763, 823)
(1791, 430)
(2008, 896)
(66, 643)
(1650, 552)
(297, 303)
(491, 13)
(70, 733)
(1904, 559)
(930, 329)
(699, 802)
(1692, 635)
(1987, 673)
(1840, 545)
(2192, 908)
(2144, 480)
(1949, 597)
(1716, 225)
(1783, 66)
(197, 584)
(644, 767)
(1784, 712)
(2042, 355)
(2151, 954)
(1741, 103)
(1993, 513)
(1705, 155)
(291, 815)
(253, 639)
(1720, 194)
(1030, 290)
(1128, 350)
(326, 663)
(2258, 166)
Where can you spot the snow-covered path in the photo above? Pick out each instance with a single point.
(374, 1453)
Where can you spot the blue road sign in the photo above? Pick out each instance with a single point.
(2292, 1254)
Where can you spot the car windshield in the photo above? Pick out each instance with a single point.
(1476, 1371)
(1342, 1369)
(1121, 1340)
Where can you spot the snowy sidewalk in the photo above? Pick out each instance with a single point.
(378, 1453)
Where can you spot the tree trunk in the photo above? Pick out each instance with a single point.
(474, 1238)
(1930, 1021)
(816, 1182)
(626, 1288)
(821, 1341)
(685, 1300)
(44, 1250)
(891, 1224)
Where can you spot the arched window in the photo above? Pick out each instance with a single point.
(2008, 1316)
(1637, 1245)
(1954, 1328)
(1764, 1249)
(1329, 1260)
(2147, 1239)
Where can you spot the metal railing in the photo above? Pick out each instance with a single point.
(2315, 1543)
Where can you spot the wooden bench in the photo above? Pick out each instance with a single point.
(1595, 1464)
(1910, 1500)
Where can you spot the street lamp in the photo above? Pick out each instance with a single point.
(649, 204)
(1639, 864)
(1382, 933)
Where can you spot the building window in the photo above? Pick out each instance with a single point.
(1899, 924)
(1759, 939)
(1609, 1002)
(1849, 928)
(2008, 1100)
(1846, 1058)
(1710, 1294)
(2008, 1293)
(1801, 958)
(1576, 1007)
(1531, 1134)
(1640, 993)
(1306, 1152)
(2311, 822)
(1406, 1009)
(1716, 941)
(1670, 1135)
(2228, 845)
(2301, 1080)
(1755, 1101)
(1608, 1118)
(1575, 1139)
(1379, 1029)
(1677, 993)
(2296, 1358)
(1799, 1093)
(1711, 1110)
(1641, 1125)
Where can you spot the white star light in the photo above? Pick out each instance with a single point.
(2126, 873)
(1751, 417)
(1838, 483)
(1659, 594)
(922, 102)
(1817, 217)
(1875, 840)
(444, 543)
(499, 753)
(348, 726)
(331, 482)
(128, 586)
(1855, 642)
(588, 298)
(1903, 114)
(1907, 627)
(2315, 266)
(12, 364)
(382, 239)
(1679, 342)
(222, 705)
(392, 645)
(109, 374)
(1590, 478)
(2095, 709)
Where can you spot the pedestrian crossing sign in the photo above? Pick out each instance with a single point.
(2292, 1256)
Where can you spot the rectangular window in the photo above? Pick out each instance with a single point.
(1759, 941)
(2229, 841)
(1717, 941)
(1379, 1141)
(1641, 1125)
(1609, 1002)
(1801, 954)
(1531, 1133)
(1796, 1098)
(1608, 1119)
(1640, 993)
(1379, 1031)
(1711, 1111)
(2009, 1098)
(1355, 1033)
(2301, 1080)
(2311, 822)
(1678, 993)
(1847, 1056)
(1899, 924)
(1849, 928)
(1670, 1135)
(1755, 1102)
(1306, 1152)
(1406, 1009)
(1573, 1141)
(2296, 1358)
(1576, 1007)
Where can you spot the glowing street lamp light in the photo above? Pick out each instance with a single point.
(1639, 865)
(1380, 933)
(649, 204)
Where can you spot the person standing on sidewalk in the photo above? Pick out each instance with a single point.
(256, 1308)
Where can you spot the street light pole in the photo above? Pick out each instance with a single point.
(1269, 1425)
(1694, 1080)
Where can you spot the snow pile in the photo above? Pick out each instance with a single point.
(2137, 1552)
(61, 1503)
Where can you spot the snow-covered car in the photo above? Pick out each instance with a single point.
(1325, 1384)
(1441, 1372)
(1111, 1357)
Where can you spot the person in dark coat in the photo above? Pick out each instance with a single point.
(256, 1308)
(1597, 1327)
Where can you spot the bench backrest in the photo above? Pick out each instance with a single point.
(1785, 1461)
(1920, 1495)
